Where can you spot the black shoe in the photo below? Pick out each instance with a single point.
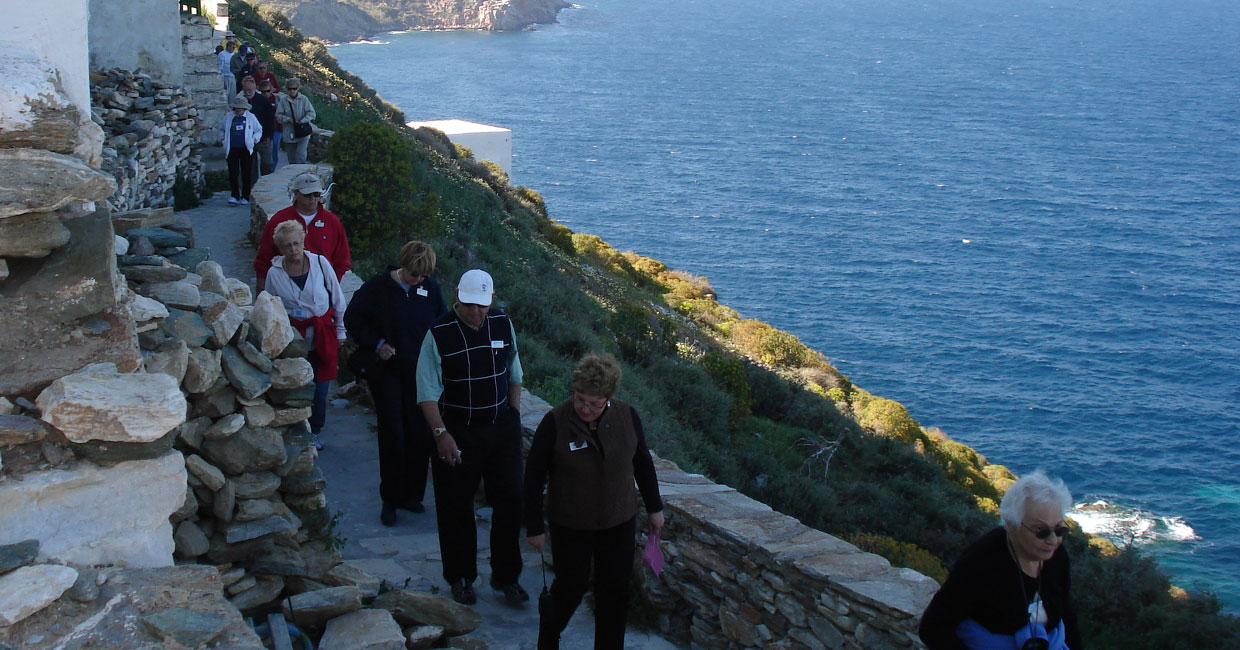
(415, 507)
(513, 593)
(388, 515)
(463, 593)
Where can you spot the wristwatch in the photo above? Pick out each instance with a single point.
(438, 431)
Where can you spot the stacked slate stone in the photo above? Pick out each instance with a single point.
(254, 499)
(150, 136)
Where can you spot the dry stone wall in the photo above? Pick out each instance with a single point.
(202, 79)
(741, 575)
(151, 131)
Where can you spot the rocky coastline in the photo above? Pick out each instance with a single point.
(338, 21)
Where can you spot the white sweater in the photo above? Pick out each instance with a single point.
(322, 292)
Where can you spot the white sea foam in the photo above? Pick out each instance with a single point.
(1122, 524)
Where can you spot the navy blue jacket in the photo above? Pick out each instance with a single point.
(382, 310)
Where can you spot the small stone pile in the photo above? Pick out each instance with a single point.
(150, 136)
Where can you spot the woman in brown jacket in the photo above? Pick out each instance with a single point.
(590, 449)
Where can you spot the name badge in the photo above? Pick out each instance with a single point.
(422, 292)
(318, 224)
(497, 345)
(578, 446)
(239, 127)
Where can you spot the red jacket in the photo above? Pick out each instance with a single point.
(325, 236)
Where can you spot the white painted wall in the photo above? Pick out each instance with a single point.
(54, 30)
(493, 143)
(132, 34)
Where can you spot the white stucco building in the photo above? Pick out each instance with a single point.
(493, 143)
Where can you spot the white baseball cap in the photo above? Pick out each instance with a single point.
(307, 183)
(475, 287)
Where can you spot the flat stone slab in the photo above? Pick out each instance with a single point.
(99, 403)
(31, 588)
(365, 629)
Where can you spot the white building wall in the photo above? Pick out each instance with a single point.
(54, 30)
(493, 143)
(132, 34)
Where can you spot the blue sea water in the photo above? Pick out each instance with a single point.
(1019, 219)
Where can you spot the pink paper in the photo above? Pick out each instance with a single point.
(652, 557)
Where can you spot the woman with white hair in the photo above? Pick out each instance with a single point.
(1009, 589)
(306, 283)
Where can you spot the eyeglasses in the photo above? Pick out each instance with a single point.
(594, 404)
(1043, 532)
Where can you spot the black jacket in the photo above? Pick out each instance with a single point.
(382, 310)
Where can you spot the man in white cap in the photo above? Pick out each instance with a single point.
(469, 389)
(324, 233)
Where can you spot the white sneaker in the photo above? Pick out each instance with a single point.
(244, 202)
(232, 200)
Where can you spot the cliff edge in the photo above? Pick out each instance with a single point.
(349, 20)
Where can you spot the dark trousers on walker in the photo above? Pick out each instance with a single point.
(611, 552)
(240, 167)
(491, 454)
(404, 442)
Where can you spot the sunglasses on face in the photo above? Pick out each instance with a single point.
(1043, 532)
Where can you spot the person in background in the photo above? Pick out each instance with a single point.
(229, 37)
(249, 67)
(265, 112)
(591, 448)
(388, 318)
(1010, 587)
(238, 59)
(269, 93)
(262, 73)
(240, 132)
(225, 69)
(307, 285)
(469, 389)
(325, 235)
(294, 108)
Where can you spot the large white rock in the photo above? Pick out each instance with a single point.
(181, 294)
(31, 588)
(364, 629)
(291, 373)
(143, 309)
(239, 292)
(98, 403)
(271, 321)
(213, 279)
(92, 515)
(223, 318)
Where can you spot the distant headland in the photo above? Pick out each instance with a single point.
(342, 21)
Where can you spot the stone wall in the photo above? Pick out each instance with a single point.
(137, 35)
(741, 575)
(151, 131)
(202, 79)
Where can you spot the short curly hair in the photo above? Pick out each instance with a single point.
(418, 258)
(286, 230)
(597, 374)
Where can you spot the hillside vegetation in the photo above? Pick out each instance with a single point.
(733, 398)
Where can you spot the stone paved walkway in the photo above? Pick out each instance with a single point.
(409, 551)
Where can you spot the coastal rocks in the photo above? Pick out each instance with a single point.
(91, 515)
(99, 403)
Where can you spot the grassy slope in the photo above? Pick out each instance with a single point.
(735, 399)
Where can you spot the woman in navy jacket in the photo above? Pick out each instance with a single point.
(388, 318)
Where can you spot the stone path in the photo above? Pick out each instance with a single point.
(409, 551)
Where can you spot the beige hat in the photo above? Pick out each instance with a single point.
(240, 102)
(307, 184)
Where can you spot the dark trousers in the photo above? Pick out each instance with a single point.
(318, 408)
(611, 553)
(404, 442)
(240, 167)
(491, 454)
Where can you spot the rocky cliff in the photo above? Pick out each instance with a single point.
(347, 20)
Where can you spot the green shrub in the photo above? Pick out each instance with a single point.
(728, 373)
(376, 193)
(184, 196)
(769, 345)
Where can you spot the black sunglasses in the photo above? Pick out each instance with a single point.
(1043, 533)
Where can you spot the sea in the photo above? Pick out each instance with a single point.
(1019, 219)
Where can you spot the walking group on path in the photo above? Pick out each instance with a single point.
(446, 385)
